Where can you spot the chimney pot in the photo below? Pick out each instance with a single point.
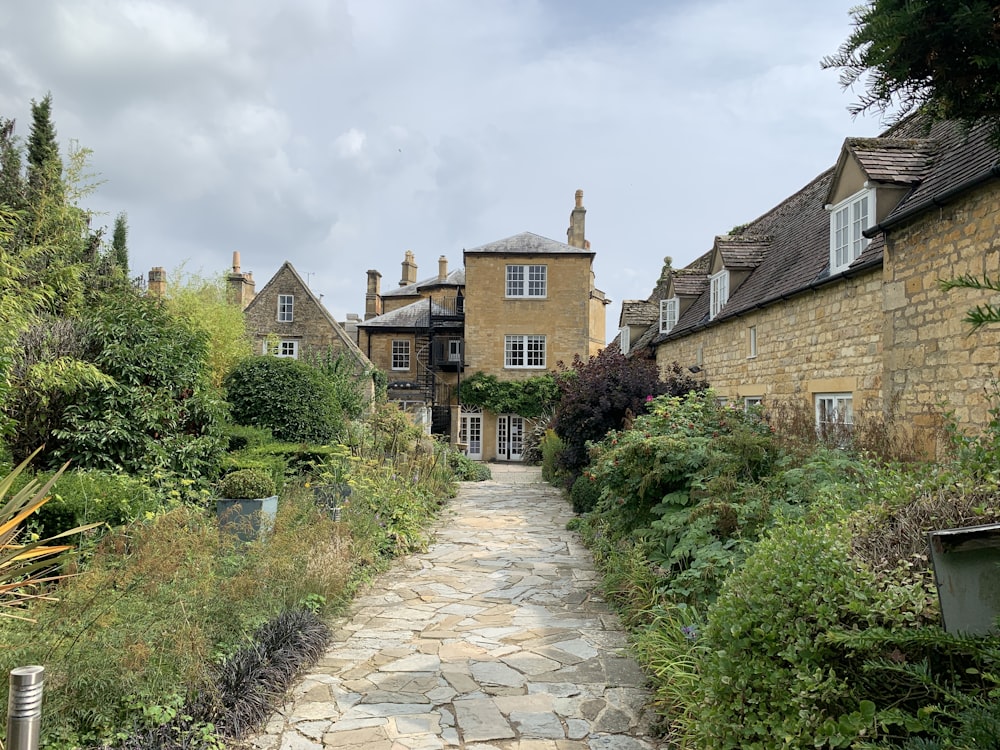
(442, 268)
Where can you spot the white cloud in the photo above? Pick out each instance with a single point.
(338, 133)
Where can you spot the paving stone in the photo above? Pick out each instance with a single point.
(496, 638)
(481, 720)
(544, 725)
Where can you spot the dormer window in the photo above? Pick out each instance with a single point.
(668, 314)
(719, 284)
(848, 219)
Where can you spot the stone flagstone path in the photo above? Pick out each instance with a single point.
(496, 638)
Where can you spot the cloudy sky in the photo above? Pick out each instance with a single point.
(337, 134)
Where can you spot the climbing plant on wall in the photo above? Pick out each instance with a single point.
(530, 398)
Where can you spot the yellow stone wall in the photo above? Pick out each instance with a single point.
(891, 337)
(564, 316)
(931, 355)
(378, 346)
(802, 348)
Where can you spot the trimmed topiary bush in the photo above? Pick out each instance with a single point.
(246, 484)
(298, 403)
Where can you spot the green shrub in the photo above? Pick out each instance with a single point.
(90, 496)
(551, 446)
(770, 669)
(467, 470)
(298, 403)
(246, 484)
(241, 437)
(585, 493)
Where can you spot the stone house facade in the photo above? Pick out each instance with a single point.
(286, 319)
(830, 303)
(517, 307)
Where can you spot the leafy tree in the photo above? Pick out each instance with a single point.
(119, 243)
(602, 393)
(350, 386)
(125, 388)
(943, 57)
(204, 303)
(297, 402)
(44, 163)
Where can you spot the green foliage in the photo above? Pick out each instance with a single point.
(240, 437)
(349, 385)
(246, 484)
(293, 400)
(768, 672)
(982, 314)
(156, 409)
(585, 493)
(467, 470)
(88, 496)
(170, 599)
(602, 393)
(551, 446)
(204, 302)
(531, 397)
(942, 57)
(119, 243)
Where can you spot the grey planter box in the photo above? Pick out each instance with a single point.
(967, 574)
(247, 519)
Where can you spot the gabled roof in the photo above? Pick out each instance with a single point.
(638, 312)
(690, 282)
(456, 278)
(937, 166)
(742, 251)
(288, 269)
(527, 243)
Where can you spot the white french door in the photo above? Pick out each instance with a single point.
(510, 437)
(470, 433)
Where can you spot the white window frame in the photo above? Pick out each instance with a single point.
(752, 342)
(841, 405)
(400, 355)
(624, 339)
(749, 402)
(848, 220)
(286, 308)
(527, 281)
(668, 314)
(524, 351)
(719, 285)
(284, 348)
(455, 350)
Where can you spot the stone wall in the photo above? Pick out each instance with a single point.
(933, 360)
(564, 316)
(803, 348)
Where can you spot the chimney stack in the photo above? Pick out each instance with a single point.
(409, 270)
(575, 233)
(157, 285)
(241, 287)
(442, 268)
(373, 299)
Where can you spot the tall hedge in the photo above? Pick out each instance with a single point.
(297, 402)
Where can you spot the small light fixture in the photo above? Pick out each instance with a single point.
(695, 369)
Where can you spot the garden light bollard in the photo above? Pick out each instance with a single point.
(24, 707)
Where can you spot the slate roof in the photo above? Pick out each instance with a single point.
(742, 251)
(936, 163)
(899, 161)
(455, 278)
(414, 315)
(637, 312)
(528, 243)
